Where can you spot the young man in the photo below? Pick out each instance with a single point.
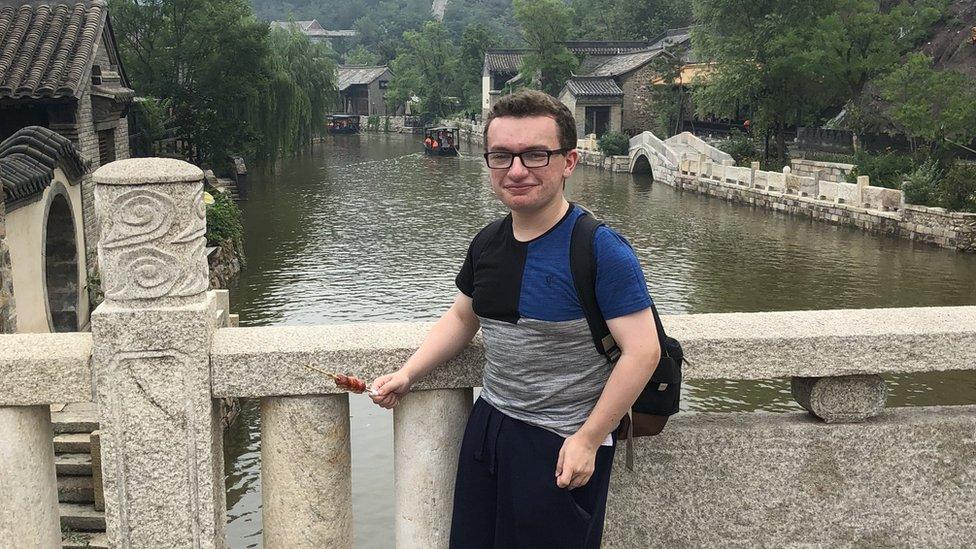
(535, 460)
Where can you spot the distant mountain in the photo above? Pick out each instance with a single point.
(342, 14)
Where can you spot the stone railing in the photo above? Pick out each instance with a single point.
(692, 143)
(861, 194)
(160, 355)
(652, 144)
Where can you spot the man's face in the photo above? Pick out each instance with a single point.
(528, 189)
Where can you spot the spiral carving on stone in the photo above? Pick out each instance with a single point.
(198, 221)
(141, 216)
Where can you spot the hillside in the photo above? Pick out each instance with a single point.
(951, 42)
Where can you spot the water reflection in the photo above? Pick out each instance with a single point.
(365, 228)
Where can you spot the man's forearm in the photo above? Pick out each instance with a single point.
(627, 380)
(449, 335)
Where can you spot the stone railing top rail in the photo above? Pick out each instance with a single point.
(698, 144)
(268, 361)
(271, 361)
(648, 139)
(45, 368)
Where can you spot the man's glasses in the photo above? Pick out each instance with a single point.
(530, 159)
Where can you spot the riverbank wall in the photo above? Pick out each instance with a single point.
(876, 210)
(681, 162)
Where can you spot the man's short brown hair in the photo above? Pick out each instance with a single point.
(526, 103)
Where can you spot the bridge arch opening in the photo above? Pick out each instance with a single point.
(641, 165)
(61, 266)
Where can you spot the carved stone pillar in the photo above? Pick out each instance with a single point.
(162, 458)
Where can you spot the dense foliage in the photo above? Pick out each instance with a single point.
(614, 143)
(425, 68)
(230, 86)
(885, 170)
(790, 61)
(224, 222)
(545, 26)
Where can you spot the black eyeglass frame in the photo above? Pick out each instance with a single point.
(511, 160)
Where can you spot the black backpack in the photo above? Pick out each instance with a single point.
(659, 399)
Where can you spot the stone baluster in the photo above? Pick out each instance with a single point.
(28, 483)
(863, 181)
(162, 456)
(841, 399)
(306, 472)
(753, 168)
(427, 431)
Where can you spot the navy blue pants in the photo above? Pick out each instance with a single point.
(506, 496)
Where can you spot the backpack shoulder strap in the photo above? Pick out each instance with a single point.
(582, 264)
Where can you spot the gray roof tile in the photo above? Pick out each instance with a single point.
(350, 75)
(46, 49)
(28, 159)
(589, 86)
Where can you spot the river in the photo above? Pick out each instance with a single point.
(364, 228)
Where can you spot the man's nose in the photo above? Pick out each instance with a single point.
(517, 169)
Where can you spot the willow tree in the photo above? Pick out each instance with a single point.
(299, 92)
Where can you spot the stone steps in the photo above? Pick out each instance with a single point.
(81, 517)
(84, 540)
(73, 465)
(76, 490)
(72, 443)
(74, 417)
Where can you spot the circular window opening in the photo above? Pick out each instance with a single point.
(61, 267)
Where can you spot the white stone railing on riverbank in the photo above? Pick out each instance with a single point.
(161, 352)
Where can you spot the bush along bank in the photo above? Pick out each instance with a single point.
(226, 233)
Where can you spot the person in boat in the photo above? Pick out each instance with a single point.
(428, 142)
(535, 459)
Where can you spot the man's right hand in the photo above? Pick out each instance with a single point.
(389, 388)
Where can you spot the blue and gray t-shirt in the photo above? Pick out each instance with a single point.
(542, 367)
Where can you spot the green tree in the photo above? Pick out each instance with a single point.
(300, 91)
(426, 67)
(931, 105)
(206, 57)
(359, 55)
(867, 38)
(230, 85)
(545, 26)
(475, 40)
(628, 19)
(667, 101)
(768, 55)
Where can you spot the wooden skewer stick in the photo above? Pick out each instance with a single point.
(369, 390)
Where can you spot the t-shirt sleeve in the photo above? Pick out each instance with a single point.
(620, 285)
(465, 277)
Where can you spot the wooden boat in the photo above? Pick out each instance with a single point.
(441, 141)
(342, 123)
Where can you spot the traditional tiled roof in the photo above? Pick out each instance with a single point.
(590, 86)
(350, 75)
(504, 61)
(622, 64)
(47, 48)
(606, 47)
(28, 159)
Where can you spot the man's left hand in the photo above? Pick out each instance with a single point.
(577, 459)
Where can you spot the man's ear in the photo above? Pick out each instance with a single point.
(572, 160)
